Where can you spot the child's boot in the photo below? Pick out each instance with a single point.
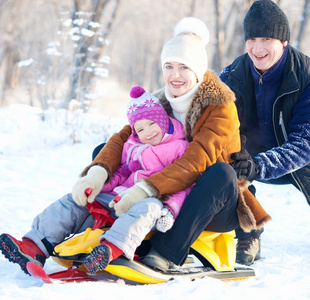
(21, 252)
(101, 256)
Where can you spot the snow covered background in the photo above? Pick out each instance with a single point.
(39, 163)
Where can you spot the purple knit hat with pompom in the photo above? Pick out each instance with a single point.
(146, 106)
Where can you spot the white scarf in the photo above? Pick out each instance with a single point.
(180, 105)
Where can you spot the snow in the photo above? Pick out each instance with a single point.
(39, 163)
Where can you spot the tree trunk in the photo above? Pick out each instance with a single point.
(303, 23)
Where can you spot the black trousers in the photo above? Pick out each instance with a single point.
(97, 150)
(211, 205)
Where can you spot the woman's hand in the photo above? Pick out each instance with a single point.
(128, 198)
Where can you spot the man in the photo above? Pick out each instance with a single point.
(272, 86)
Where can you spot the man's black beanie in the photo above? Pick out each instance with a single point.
(266, 19)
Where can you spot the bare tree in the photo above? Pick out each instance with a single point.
(192, 7)
(86, 62)
(229, 42)
(9, 51)
(52, 52)
(303, 23)
(60, 58)
(218, 44)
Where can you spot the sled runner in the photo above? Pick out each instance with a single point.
(212, 254)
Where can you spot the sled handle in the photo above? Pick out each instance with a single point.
(117, 198)
(88, 192)
(101, 214)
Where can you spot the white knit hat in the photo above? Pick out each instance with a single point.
(188, 46)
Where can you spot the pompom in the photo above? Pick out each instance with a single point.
(137, 91)
(193, 25)
(134, 166)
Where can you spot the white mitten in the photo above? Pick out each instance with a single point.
(128, 198)
(165, 222)
(94, 179)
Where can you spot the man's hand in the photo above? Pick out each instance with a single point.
(244, 165)
(128, 198)
(94, 179)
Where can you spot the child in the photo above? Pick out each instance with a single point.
(156, 141)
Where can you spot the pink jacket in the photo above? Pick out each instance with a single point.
(143, 160)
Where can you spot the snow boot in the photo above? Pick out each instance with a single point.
(248, 250)
(154, 260)
(101, 256)
(21, 252)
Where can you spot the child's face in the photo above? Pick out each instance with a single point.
(149, 132)
(179, 78)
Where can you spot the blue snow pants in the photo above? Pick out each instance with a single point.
(64, 217)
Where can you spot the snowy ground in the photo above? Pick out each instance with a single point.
(39, 163)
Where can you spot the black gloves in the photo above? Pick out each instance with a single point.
(244, 165)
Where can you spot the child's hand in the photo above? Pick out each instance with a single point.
(128, 198)
(165, 222)
(94, 179)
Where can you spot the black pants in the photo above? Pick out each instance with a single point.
(211, 205)
(97, 150)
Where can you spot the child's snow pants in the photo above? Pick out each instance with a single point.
(64, 217)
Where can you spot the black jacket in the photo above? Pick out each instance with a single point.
(296, 78)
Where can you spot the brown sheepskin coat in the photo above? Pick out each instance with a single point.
(212, 128)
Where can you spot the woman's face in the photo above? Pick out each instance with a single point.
(264, 52)
(179, 78)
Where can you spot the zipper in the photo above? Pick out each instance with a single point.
(281, 123)
(281, 116)
(260, 85)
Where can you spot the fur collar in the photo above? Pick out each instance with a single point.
(212, 91)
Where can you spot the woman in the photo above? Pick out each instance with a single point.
(205, 106)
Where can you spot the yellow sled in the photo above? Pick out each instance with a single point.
(212, 254)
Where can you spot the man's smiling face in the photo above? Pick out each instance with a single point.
(264, 52)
